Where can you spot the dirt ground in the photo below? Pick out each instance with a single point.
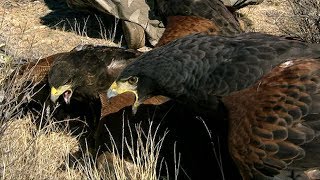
(35, 29)
(268, 17)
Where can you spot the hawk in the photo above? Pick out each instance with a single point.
(88, 71)
(80, 66)
(269, 86)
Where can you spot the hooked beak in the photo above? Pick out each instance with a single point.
(112, 91)
(64, 90)
(115, 90)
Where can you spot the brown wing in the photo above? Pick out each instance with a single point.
(123, 100)
(180, 26)
(273, 122)
(38, 70)
(214, 10)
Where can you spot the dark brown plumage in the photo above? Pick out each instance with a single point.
(39, 70)
(89, 71)
(270, 86)
(275, 123)
(186, 17)
(124, 100)
(180, 26)
(214, 11)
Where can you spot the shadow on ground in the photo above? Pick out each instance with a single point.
(86, 22)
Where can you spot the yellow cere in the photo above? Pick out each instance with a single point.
(60, 89)
(123, 87)
(114, 86)
(54, 90)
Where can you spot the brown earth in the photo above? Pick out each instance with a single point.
(35, 29)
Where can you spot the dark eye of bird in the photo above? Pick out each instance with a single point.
(133, 80)
(68, 82)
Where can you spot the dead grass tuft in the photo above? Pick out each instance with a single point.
(30, 153)
(144, 155)
(266, 16)
(26, 37)
(305, 16)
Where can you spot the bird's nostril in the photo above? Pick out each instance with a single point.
(67, 95)
(67, 92)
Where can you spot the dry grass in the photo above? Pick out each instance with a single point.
(25, 151)
(266, 16)
(30, 153)
(305, 15)
(144, 155)
(25, 36)
(295, 18)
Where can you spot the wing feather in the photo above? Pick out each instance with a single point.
(39, 70)
(270, 123)
(180, 26)
(117, 103)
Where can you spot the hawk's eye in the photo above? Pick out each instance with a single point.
(68, 82)
(133, 80)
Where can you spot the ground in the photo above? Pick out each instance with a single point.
(35, 29)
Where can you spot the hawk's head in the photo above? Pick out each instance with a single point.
(88, 71)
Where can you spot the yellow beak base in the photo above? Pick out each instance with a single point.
(123, 87)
